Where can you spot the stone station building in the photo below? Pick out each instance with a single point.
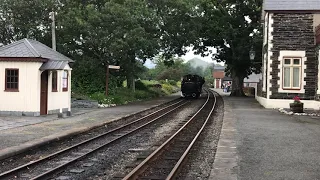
(290, 53)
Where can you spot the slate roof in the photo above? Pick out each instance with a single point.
(274, 5)
(226, 78)
(28, 48)
(54, 65)
(218, 67)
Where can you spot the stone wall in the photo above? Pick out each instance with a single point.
(84, 104)
(19, 113)
(294, 32)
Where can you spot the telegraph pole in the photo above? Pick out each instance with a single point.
(53, 28)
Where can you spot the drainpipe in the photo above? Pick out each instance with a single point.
(60, 114)
(69, 94)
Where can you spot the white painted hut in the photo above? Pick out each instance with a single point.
(36, 80)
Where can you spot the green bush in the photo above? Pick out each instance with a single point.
(79, 96)
(210, 82)
(138, 94)
(173, 82)
(123, 92)
(163, 81)
(116, 99)
(146, 82)
(179, 84)
(141, 86)
(159, 86)
(98, 96)
(121, 95)
(156, 92)
(167, 88)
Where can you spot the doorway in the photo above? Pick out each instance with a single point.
(44, 93)
(217, 83)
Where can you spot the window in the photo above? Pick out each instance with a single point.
(54, 81)
(291, 73)
(65, 81)
(12, 80)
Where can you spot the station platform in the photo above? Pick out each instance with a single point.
(264, 144)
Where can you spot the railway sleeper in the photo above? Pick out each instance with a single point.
(87, 164)
(142, 157)
(139, 150)
(77, 171)
(118, 176)
(63, 178)
(153, 177)
(171, 158)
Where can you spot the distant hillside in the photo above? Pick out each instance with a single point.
(196, 62)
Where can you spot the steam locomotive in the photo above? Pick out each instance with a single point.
(191, 85)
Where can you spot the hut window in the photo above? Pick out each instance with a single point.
(54, 81)
(65, 81)
(12, 80)
(291, 73)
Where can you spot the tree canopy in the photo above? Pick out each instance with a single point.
(96, 33)
(233, 27)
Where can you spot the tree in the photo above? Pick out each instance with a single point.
(164, 71)
(178, 24)
(128, 32)
(26, 19)
(114, 32)
(232, 26)
(208, 72)
(100, 31)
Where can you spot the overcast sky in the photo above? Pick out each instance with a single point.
(187, 57)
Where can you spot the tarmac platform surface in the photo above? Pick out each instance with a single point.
(255, 143)
(265, 144)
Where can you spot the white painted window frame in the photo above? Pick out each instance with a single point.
(291, 66)
(294, 54)
(65, 79)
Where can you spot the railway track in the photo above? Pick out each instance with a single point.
(166, 161)
(54, 163)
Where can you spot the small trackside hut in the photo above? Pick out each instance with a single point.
(218, 74)
(35, 80)
(290, 56)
